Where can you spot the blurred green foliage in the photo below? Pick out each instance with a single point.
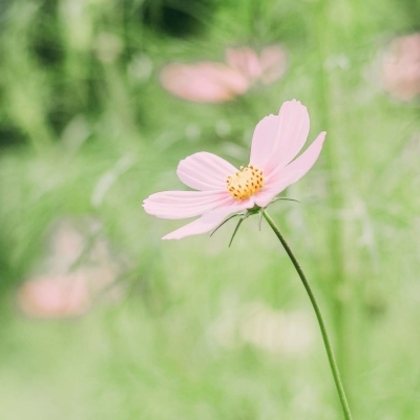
(81, 102)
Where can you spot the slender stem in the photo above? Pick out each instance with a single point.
(327, 343)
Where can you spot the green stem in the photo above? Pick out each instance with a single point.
(327, 343)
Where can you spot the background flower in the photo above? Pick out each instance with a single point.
(78, 270)
(55, 297)
(212, 82)
(401, 67)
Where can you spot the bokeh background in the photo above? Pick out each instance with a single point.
(100, 319)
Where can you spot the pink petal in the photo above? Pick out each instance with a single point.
(54, 297)
(209, 221)
(183, 204)
(278, 139)
(279, 180)
(205, 171)
(264, 198)
(203, 82)
(263, 140)
(244, 60)
(273, 63)
(400, 67)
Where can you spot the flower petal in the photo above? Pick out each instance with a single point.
(279, 180)
(209, 221)
(204, 82)
(264, 198)
(278, 139)
(183, 204)
(263, 140)
(205, 171)
(273, 63)
(244, 60)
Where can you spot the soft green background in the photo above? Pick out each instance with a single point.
(81, 99)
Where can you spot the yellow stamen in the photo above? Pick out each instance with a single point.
(246, 182)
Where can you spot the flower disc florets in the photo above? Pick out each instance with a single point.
(245, 182)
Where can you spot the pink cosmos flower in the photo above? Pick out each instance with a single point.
(55, 297)
(401, 67)
(66, 287)
(224, 190)
(211, 82)
(267, 67)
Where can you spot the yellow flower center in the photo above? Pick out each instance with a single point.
(246, 182)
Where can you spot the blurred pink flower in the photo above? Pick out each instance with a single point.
(211, 82)
(78, 270)
(268, 67)
(223, 190)
(54, 297)
(401, 67)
